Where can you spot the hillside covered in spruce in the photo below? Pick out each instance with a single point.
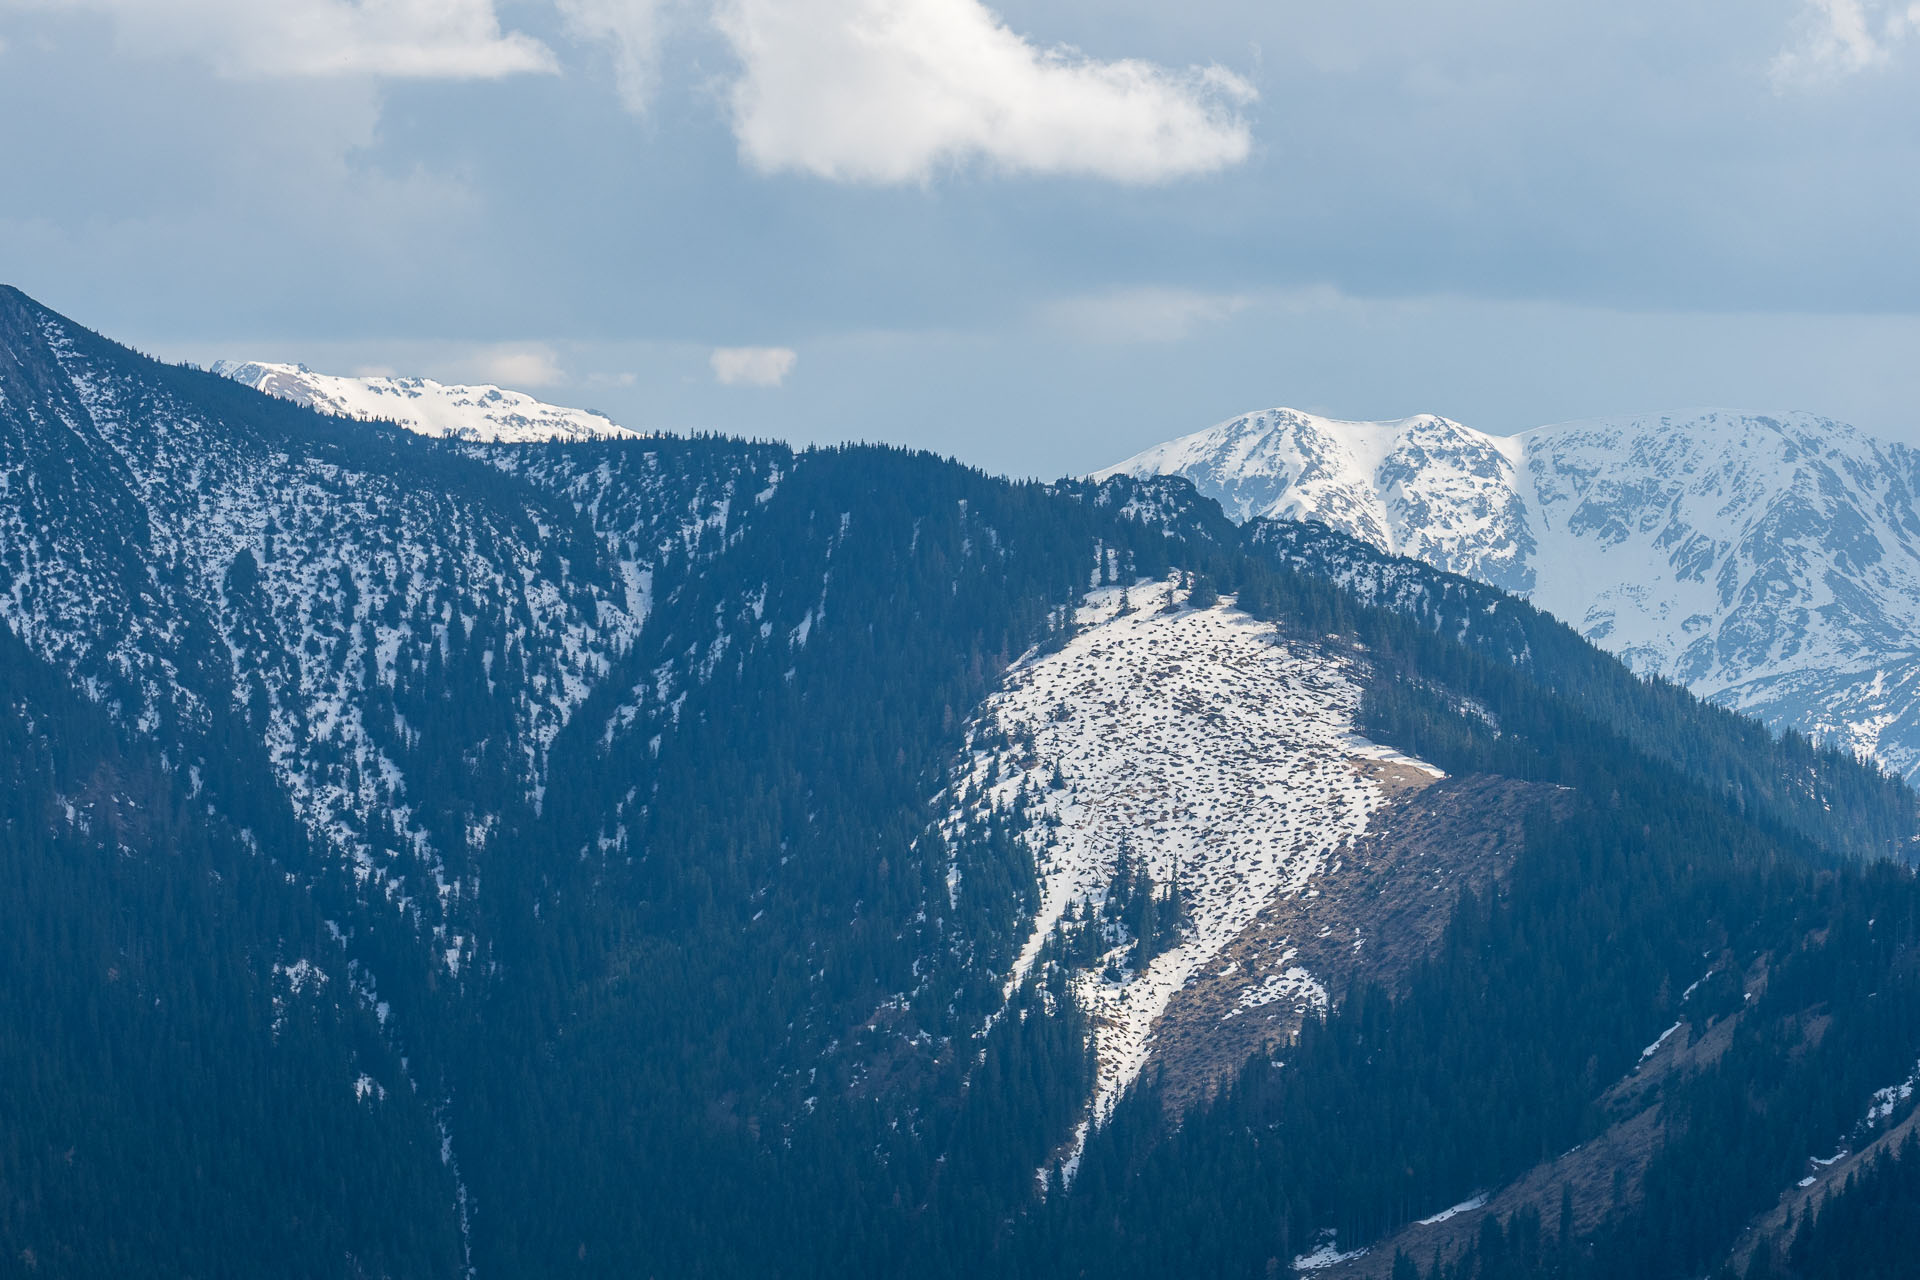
(438, 856)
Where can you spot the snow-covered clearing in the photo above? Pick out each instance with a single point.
(1888, 1100)
(1326, 1253)
(1223, 758)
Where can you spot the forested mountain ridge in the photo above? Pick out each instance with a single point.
(1769, 563)
(699, 857)
(1802, 785)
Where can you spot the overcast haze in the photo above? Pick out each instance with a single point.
(1036, 236)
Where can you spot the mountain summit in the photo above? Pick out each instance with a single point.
(1771, 564)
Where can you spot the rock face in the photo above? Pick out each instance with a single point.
(1771, 564)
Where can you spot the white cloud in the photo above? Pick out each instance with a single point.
(517, 367)
(865, 91)
(631, 30)
(407, 39)
(890, 91)
(752, 366)
(1840, 38)
(1142, 315)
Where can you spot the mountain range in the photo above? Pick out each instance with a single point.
(1771, 564)
(431, 854)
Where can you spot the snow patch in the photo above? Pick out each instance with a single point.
(1325, 1254)
(1654, 1048)
(1465, 1206)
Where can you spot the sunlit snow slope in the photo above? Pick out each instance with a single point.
(1771, 564)
(484, 414)
(1218, 755)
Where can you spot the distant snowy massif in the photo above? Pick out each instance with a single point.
(481, 414)
(1771, 564)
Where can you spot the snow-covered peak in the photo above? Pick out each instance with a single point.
(1424, 486)
(483, 413)
(1771, 562)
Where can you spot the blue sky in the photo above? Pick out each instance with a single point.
(1038, 237)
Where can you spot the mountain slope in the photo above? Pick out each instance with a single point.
(725, 860)
(1182, 756)
(196, 1081)
(1770, 564)
(1788, 782)
(215, 552)
(486, 414)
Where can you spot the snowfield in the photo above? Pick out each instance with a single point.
(1217, 754)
